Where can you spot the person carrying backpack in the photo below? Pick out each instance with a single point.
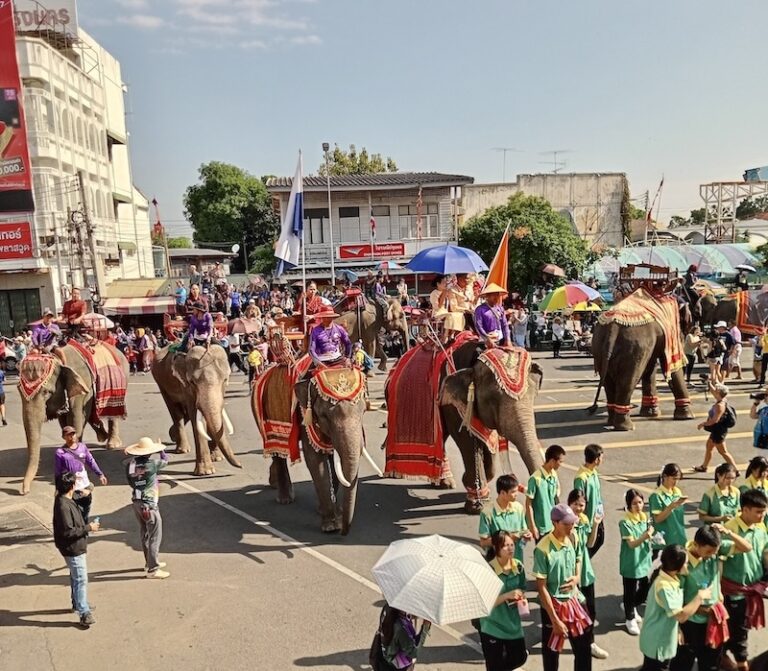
(721, 417)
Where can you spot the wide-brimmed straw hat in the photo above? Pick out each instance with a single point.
(144, 447)
(493, 288)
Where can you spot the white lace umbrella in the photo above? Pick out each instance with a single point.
(437, 579)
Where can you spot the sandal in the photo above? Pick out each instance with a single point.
(700, 469)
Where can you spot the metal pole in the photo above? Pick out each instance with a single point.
(98, 268)
(330, 216)
(62, 279)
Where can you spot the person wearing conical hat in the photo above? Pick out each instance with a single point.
(329, 343)
(490, 321)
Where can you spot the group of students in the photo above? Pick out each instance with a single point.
(702, 599)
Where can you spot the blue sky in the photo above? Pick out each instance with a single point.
(641, 87)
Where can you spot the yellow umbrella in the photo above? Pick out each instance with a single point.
(584, 306)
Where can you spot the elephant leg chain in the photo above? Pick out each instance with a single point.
(330, 479)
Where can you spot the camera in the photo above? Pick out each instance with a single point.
(759, 396)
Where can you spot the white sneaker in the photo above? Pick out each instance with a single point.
(598, 652)
(159, 574)
(160, 564)
(633, 627)
(638, 618)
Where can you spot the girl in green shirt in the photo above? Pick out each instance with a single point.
(665, 611)
(666, 504)
(757, 475)
(400, 643)
(721, 502)
(501, 632)
(635, 558)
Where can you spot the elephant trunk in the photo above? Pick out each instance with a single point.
(519, 427)
(349, 450)
(213, 419)
(32, 429)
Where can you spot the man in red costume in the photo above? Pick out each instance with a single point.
(73, 312)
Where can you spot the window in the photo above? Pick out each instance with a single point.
(349, 224)
(384, 223)
(316, 225)
(409, 221)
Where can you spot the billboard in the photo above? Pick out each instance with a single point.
(15, 168)
(15, 240)
(58, 15)
(380, 251)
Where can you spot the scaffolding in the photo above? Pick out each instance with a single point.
(721, 199)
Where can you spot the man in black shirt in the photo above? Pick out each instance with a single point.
(70, 533)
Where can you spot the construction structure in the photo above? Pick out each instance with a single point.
(721, 199)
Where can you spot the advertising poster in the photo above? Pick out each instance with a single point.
(15, 168)
(15, 240)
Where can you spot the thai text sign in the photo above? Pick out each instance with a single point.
(15, 240)
(380, 251)
(57, 15)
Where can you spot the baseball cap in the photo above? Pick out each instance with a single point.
(67, 430)
(563, 513)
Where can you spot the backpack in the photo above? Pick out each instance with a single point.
(728, 420)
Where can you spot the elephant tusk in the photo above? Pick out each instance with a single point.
(339, 471)
(373, 464)
(201, 428)
(506, 461)
(227, 422)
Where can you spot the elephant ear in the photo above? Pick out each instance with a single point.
(72, 382)
(301, 391)
(537, 373)
(455, 388)
(179, 369)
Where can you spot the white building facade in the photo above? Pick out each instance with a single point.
(73, 98)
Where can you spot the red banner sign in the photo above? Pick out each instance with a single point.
(15, 240)
(15, 168)
(380, 251)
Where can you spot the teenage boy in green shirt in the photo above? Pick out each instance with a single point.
(743, 573)
(505, 514)
(587, 480)
(543, 493)
(709, 546)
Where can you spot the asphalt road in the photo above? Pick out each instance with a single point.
(257, 585)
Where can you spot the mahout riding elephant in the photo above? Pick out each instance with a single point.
(366, 323)
(63, 392)
(331, 433)
(474, 389)
(624, 355)
(192, 386)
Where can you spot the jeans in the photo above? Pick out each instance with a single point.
(151, 534)
(78, 581)
(582, 654)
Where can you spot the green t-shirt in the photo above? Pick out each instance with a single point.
(512, 519)
(504, 620)
(746, 568)
(704, 573)
(587, 480)
(634, 562)
(753, 483)
(658, 636)
(674, 526)
(716, 503)
(543, 491)
(555, 562)
(581, 533)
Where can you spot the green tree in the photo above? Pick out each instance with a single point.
(749, 207)
(351, 162)
(179, 243)
(698, 217)
(538, 235)
(676, 221)
(230, 205)
(262, 259)
(636, 212)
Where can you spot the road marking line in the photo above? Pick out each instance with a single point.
(657, 441)
(303, 547)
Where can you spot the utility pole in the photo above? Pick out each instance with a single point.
(74, 219)
(98, 267)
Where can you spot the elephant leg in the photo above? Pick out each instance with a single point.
(474, 464)
(76, 416)
(622, 404)
(176, 432)
(650, 404)
(680, 391)
(280, 479)
(114, 441)
(609, 385)
(381, 354)
(215, 451)
(321, 470)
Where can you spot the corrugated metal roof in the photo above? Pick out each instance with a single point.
(378, 180)
(197, 253)
(138, 288)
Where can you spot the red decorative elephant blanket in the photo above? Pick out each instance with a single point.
(110, 384)
(640, 308)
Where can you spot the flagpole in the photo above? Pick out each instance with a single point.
(303, 250)
(370, 225)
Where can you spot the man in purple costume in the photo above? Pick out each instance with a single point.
(328, 342)
(200, 326)
(75, 457)
(490, 320)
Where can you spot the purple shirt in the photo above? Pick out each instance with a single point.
(45, 336)
(489, 320)
(75, 460)
(328, 344)
(201, 328)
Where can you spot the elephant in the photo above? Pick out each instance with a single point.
(366, 323)
(474, 384)
(66, 393)
(331, 465)
(192, 386)
(713, 311)
(624, 355)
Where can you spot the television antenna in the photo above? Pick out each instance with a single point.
(556, 164)
(504, 151)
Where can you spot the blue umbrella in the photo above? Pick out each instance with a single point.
(447, 259)
(346, 275)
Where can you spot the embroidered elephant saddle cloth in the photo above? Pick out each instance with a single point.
(641, 308)
(35, 370)
(751, 310)
(510, 367)
(339, 383)
(110, 384)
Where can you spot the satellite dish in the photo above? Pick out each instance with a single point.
(235, 248)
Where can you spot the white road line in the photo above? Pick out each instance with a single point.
(453, 633)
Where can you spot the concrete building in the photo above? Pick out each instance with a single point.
(412, 211)
(593, 202)
(73, 97)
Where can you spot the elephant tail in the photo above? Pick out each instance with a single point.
(612, 336)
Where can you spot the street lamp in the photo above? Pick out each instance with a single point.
(326, 147)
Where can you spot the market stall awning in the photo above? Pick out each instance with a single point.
(149, 305)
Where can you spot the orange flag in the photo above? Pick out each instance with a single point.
(497, 273)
